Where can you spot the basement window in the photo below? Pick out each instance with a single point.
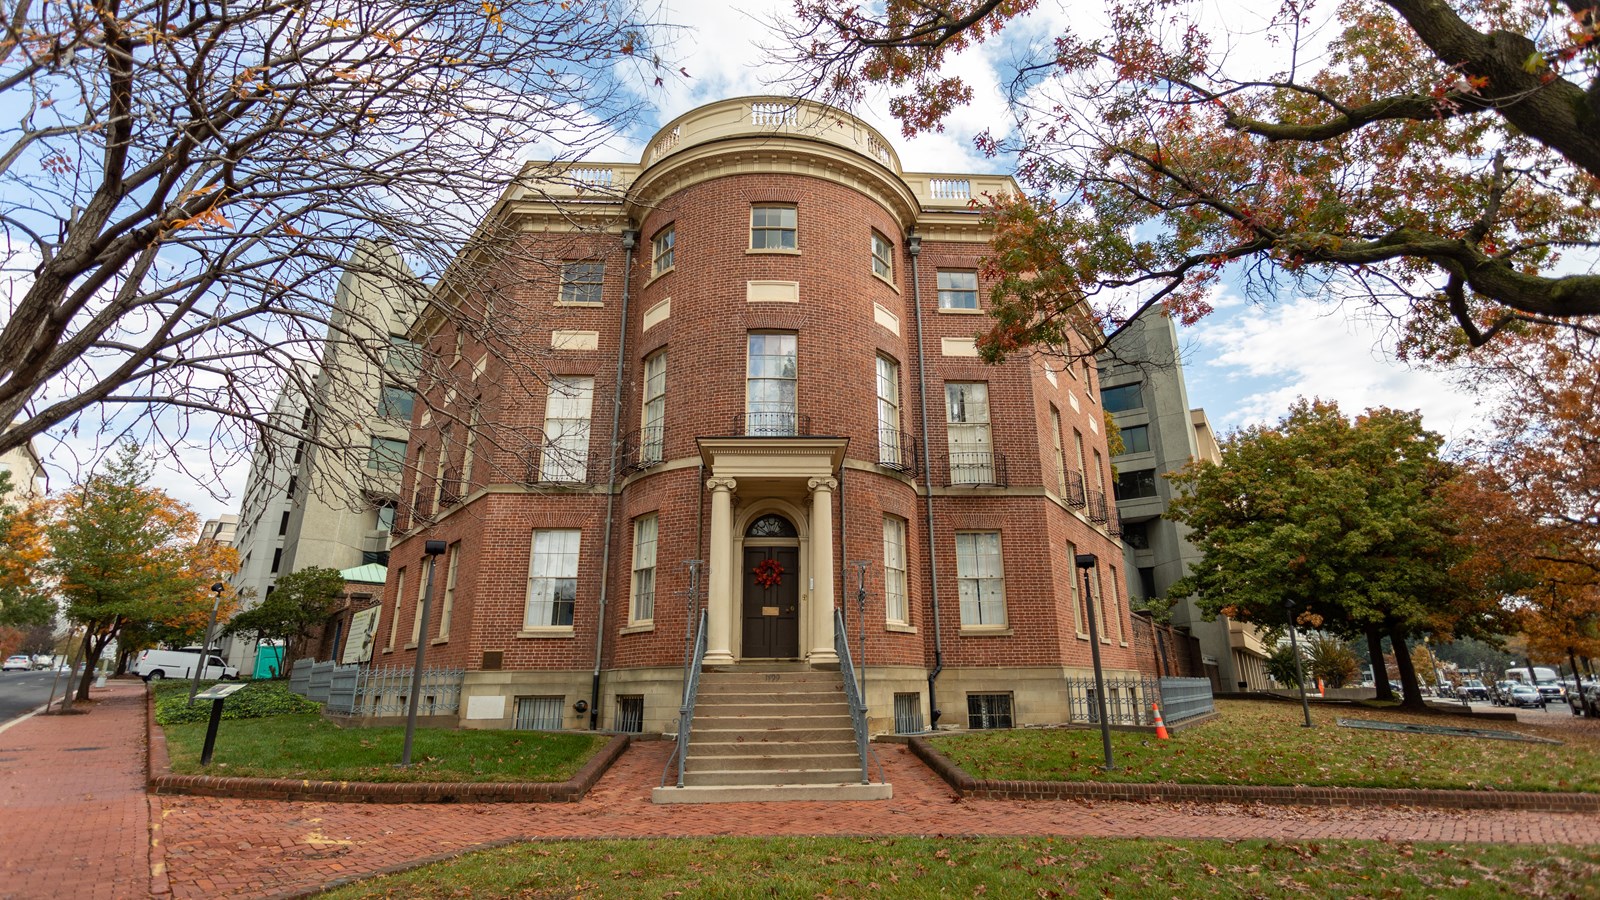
(988, 711)
(539, 713)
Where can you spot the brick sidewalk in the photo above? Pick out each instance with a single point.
(74, 818)
(76, 822)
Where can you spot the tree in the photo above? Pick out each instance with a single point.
(188, 181)
(124, 555)
(1437, 157)
(299, 602)
(1348, 520)
(1280, 665)
(25, 598)
(1328, 659)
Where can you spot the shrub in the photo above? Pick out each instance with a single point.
(259, 700)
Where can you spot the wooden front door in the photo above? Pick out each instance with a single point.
(771, 613)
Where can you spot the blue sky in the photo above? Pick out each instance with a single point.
(1244, 364)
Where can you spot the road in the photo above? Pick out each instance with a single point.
(23, 692)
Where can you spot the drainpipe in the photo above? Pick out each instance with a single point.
(844, 577)
(629, 238)
(914, 247)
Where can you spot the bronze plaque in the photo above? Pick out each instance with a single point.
(769, 610)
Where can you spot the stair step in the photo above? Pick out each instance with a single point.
(771, 777)
(771, 793)
(762, 686)
(744, 710)
(811, 758)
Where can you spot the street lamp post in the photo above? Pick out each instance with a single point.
(1299, 669)
(1086, 561)
(205, 645)
(432, 549)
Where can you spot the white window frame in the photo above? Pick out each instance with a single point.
(568, 409)
(416, 622)
(1056, 451)
(552, 579)
(642, 599)
(950, 293)
(967, 432)
(1080, 624)
(447, 607)
(896, 605)
(783, 229)
(889, 437)
(980, 579)
(663, 250)
(653, 417)
(882, 256)
(386, 454)
(399, 597)
(583, 283)
(778, 415)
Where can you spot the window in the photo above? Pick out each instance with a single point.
(772, 228)
(895, 608)
(447, 608)
(1114, 606)
(1058, 457)
(979, 583)
(908, 714)
(967, 428)
(630, 714)
(988, 711)
(652, 435)
(470, 450)
(581, 282)
(1079, 618)
(539, 713)
(403, 359)
(1099, 472)
(1147, 581)
(770, 385)
(552, 578)
(661, 250)
(1137, 484)
(277, 558)
(294, 482)
(1121, 398)
(890, 452)
(378, 557)
(1077, 448)
(644, 568)
(1136, 439)
(882, 257)
(386, 455)
(958, 290)
(1136, 535)
(394, 617)
(395, 402)
(566, 430)
(416, 616)
(283, 523)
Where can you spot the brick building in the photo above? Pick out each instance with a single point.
(754, 348)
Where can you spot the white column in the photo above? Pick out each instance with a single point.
(720, 591)
(822, 570)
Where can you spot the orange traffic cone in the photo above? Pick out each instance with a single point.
(1161, 727)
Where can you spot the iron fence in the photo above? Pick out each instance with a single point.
(772, 423)
(897, 450)
(974, 468)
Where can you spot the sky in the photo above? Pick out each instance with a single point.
(1244, 364)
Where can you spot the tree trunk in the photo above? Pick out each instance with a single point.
(1410, 690)
(1380, 671)
(96, 645)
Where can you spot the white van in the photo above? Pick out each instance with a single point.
(155, 665)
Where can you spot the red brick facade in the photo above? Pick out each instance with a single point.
(843, 318)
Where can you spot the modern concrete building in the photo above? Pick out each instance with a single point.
(220, 530)
(752, 347)
(28, 479)
(329, 500)
(1144, 390)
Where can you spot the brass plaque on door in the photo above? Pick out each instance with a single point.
(769, 610)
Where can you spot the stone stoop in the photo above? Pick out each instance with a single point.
(771, 731)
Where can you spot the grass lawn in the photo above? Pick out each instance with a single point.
(307, 746)
(995, 867)
(1262, 742)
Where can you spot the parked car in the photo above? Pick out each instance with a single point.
(155, 665)
(1501, 692)
(1589, 699)
(1551, 690)
(17, 663)
(1474, 690)
(1524, 697)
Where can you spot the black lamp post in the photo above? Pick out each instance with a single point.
(1299, 668)
(432, 549)
(1086, 561)
(205, 645)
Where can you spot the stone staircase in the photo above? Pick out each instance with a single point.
(771, 731)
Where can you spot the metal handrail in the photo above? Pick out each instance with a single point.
(858, 709)
(691, 688)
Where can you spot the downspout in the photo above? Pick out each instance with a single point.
(843, 595)
(914, 247)
(629, 238)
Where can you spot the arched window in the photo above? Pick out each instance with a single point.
(771, 526)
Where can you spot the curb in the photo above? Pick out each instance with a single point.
(155, 752)
(160, 780)
(1281, 795)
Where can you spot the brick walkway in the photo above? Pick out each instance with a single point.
(74, 819)
(256, 848)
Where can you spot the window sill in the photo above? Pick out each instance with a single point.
(1082, 636)
(763, 251)
(441, 639)
(959, 311)
(986, 631)
(411, 646)
(638, 628)
(587, 304)
(545, 631)
(659, 275)
(892, 286)
(900, 628)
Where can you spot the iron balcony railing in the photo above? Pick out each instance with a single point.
(774, 423)
(1099, 511)
(449, 490)
(897, 450)
(422, 504)
(643, 448)
(852, 693)
(557, 465)
(691, 689)
(974, 468)
(1075, 495)
(1114, 525)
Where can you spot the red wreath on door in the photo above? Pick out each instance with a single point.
(768, 573)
